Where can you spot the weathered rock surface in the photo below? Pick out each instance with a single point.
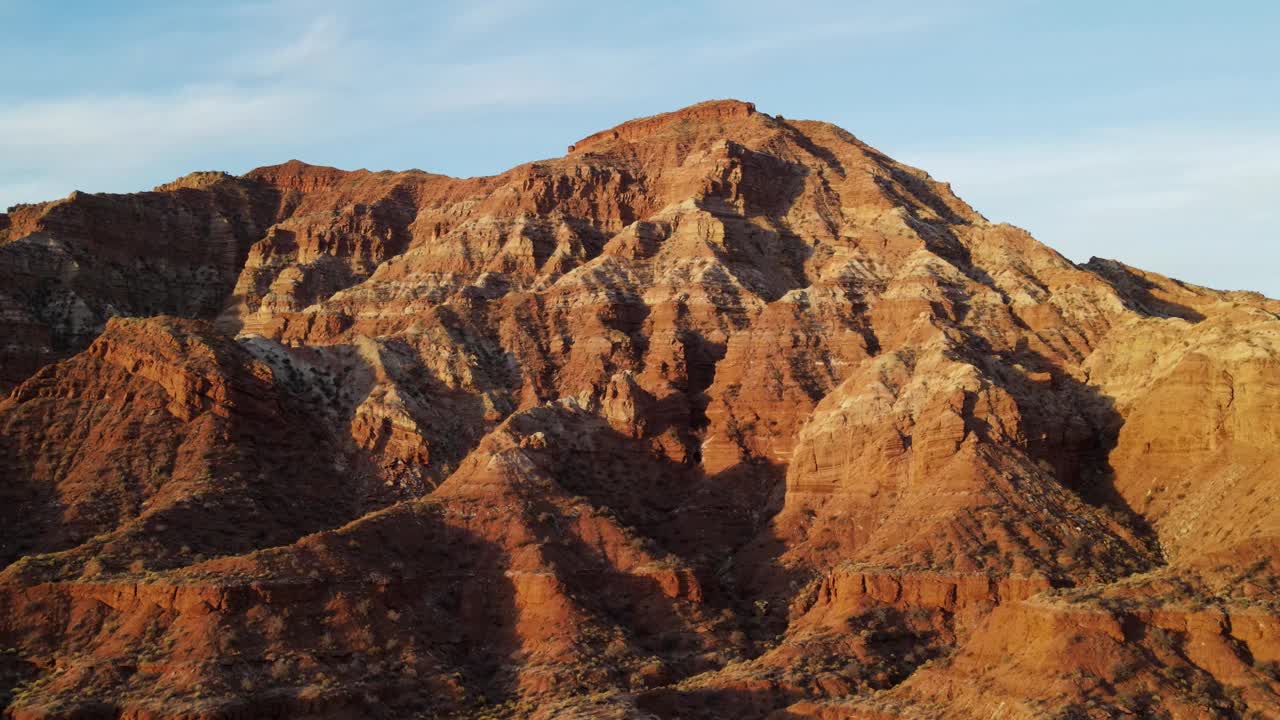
(719, 415)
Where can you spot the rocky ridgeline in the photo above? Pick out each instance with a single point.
(720, 415)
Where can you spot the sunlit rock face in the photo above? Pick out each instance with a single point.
(718, 415)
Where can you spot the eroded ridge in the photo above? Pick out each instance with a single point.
(719, 415)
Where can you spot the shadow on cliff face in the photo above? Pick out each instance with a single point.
(91, 257)
(166, 478)
(1135, 291)
(718, 529)
(281, 464)
(888, 647)
(15, 673)
(398, 615)
(1071, 427)
(27, 507)
(689, 524)
(698, 517)
(397, 429)
(715, 704)
(702, 357)
(769, 260)
(435, 626)
(914, 185)
(918, 191)
(667, 622)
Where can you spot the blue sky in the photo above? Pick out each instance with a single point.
(1145, 131)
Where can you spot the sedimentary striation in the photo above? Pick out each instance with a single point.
(718, 415)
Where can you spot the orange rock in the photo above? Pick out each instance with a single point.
(719, 415)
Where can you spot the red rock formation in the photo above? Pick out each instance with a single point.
(720, 415)
(702, 113)
(71, 264)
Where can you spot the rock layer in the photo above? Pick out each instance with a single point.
(719, 415)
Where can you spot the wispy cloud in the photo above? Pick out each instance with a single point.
(323, 81)
(321, 41)
(1198, 204)
(69, 126)
(251, 81)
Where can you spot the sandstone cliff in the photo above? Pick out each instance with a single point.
(718, 415)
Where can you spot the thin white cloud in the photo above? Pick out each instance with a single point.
(89, 143)
(1146, 195)
(1193, 203)
(120, 123)
(322, 83)
(321, 42)
(339, 73)
(1196, 154)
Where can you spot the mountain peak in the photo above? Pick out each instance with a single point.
(719, 416)
(631, 130)
(298, 175)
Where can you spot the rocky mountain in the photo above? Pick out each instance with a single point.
(720, 415)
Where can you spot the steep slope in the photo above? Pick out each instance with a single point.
(70, 264)
(718, 415)
(162, 442)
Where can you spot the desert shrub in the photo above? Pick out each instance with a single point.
(281, 669)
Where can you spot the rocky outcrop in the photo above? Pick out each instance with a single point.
(162, 443)
(71, 264)
(719, 415)
(702, 113)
